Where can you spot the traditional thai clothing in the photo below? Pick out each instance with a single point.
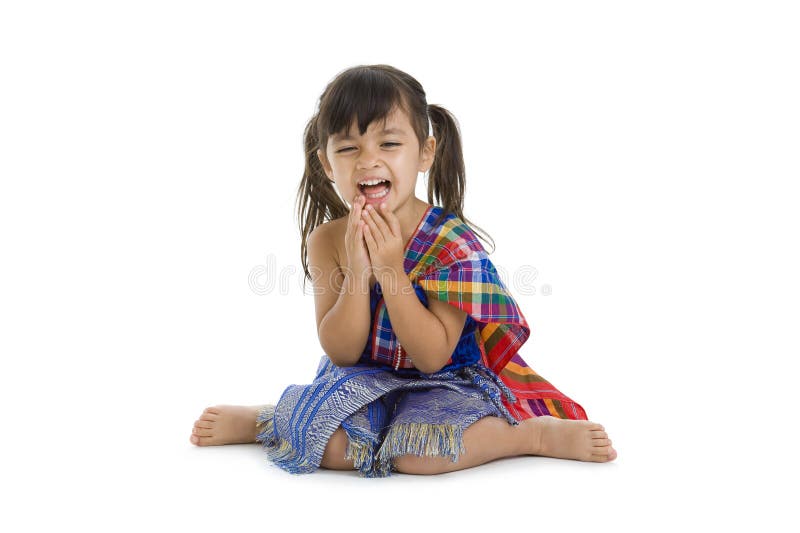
(384, 404)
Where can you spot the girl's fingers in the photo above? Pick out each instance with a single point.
(380, 222)
(368, 237)
(391, 219)
(361, 243)
(356, 211)
(355, 214)
(362, 233)
(353, 235)
(377, 235)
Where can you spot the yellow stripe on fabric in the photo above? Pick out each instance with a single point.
(472, 287)
(514, 367)
(489, 329)
(492, 333)
(554, 406)
(523, 378)
(560, 409)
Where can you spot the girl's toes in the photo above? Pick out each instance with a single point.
(201, 441)
(202, 432)
(601, 442)
(604, 456)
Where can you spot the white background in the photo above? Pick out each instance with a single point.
(642, 157)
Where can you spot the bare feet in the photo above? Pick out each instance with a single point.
(570, 439)
(226, 424)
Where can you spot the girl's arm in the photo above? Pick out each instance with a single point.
(341, 301)
(429, 336)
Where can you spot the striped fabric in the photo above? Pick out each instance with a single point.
(449, 263)
(385, 415)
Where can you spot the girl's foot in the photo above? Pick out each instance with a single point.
(570, 439)
(226, 424)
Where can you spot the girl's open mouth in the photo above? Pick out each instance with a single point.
(376, 192)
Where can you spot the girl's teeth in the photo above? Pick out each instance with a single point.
(379, 194)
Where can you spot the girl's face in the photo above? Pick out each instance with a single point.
(387, 152)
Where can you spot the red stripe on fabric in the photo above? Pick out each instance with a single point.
(374, 353)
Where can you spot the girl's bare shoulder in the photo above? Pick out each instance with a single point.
(329, 236)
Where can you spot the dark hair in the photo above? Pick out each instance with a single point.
(367, 93)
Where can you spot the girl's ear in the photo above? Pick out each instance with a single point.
(325, 165)
(428, 154)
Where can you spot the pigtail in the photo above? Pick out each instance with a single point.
(446, 179)
(317, 200)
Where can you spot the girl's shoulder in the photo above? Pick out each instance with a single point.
(329, 236)
(338, 224)
(332, 230)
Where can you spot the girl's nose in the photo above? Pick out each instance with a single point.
(367, 158)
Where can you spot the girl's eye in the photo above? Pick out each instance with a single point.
(351, 148)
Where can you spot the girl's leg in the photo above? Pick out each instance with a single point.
(493, 438)
(236, 424)
(487, 439)
(335, 450)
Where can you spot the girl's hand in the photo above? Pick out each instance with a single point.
(384, 240)
(358, 261)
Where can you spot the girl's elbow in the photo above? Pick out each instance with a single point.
(429, 366)
(335, 353)
(340, 359)
(425, 369)
(343, 361)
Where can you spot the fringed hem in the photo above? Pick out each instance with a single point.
(428, 440)
(362, 452)
(265, 418)
(278, 450)
(360, 448)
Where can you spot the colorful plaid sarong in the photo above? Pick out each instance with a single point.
(387, 413)
(448, 261)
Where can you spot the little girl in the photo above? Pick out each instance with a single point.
(421, 372)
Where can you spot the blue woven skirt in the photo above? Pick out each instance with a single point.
(384, 413)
